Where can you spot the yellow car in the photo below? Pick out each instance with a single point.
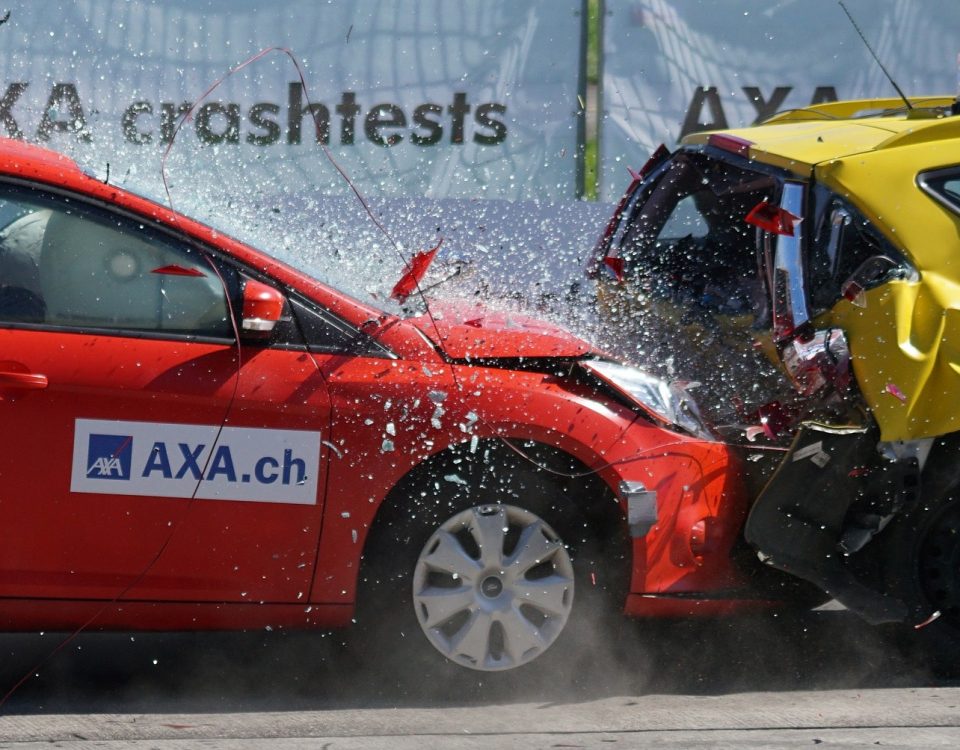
(806, 273)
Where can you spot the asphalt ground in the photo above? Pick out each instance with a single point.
(761, 681)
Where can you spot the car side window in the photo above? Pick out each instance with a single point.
(844, 240)
(69, 265)
(951, 188)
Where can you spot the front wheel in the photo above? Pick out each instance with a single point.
(493, 587)
(486, 564)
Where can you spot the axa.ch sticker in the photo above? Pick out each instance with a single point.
(195, 461)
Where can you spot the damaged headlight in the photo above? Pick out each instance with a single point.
(668, 402)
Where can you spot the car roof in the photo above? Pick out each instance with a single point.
(798, 140)
(16, 154)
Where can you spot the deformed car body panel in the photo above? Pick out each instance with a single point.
(471, 333)
(856, 250)
(907, 333)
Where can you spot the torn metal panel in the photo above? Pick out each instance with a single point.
(908, 336)
(641, 507)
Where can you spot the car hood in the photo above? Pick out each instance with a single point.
(468, 332)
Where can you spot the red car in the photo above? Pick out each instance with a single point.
(197, 436)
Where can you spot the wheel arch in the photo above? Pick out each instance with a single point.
(891, 564)
(445, 497)
(426, 482)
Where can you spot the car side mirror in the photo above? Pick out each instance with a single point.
(262, 309)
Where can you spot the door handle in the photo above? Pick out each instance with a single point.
(29, 381)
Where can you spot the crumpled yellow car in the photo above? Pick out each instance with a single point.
(805, 274)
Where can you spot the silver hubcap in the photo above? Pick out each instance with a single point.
(493, 587)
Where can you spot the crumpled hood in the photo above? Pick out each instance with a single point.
(469, 332)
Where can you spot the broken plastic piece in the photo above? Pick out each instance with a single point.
(753, 432)
(894, 391)
(815, 452)
(775, 419)
(414, 274)
(773, 219)
(820, 361)
(853, 293)
(932, 618)
(615, 265)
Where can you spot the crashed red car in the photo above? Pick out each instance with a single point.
(198, 436)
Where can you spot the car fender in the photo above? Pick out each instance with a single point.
(386, 431)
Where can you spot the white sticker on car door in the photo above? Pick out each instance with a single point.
(160, 459)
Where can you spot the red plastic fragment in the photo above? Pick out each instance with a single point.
(775, 419)
(893, 390)
(175, 270)
(414, 274)
(474, 323)
(853, 292)
(615, 265)
(772, 218)
(753, 432)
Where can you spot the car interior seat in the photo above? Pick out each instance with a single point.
(21, 298)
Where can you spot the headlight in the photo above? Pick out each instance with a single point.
(668, 402)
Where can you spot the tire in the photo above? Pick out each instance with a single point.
(483, 563)
(922, 567)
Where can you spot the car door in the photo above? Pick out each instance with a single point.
(144, 453)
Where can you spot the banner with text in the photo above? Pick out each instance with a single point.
(454, 98)
(672, 67)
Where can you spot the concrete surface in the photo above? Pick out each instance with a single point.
(766, 681)
(921, 717)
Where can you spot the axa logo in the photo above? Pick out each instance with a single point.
(108, 456)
